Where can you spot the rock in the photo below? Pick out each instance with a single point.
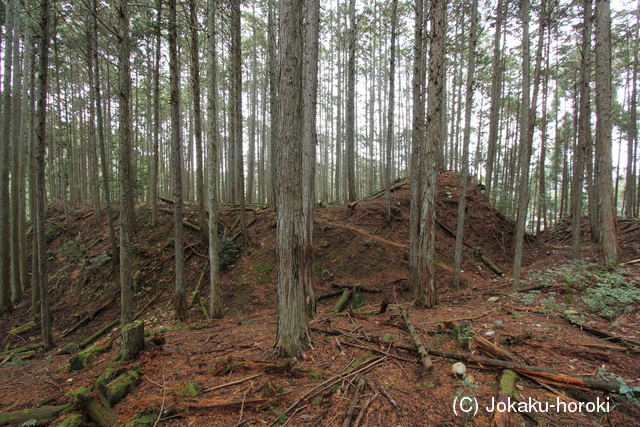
(493, 299)
(490, 333)
(459, 370)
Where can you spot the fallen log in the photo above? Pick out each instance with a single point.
(479, 254)
(20, 329)
(45, 413)
(630, 344)
(354, 401)
(344, 299)
(196, 292)
(92, 316)
(507, 393)
(424, 356)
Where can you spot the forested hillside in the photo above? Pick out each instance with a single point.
(300, 171)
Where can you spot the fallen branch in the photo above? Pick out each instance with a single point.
(354, 401)
(365, 367)
(231, 383)
(630, 344)
(196, 292)
(344, 299)
(459, 319)
(45, 413)
(92, 316)
(424, 356)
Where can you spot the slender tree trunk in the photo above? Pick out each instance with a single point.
(351, 118)
(197, 120)
(584, 133)
(606, 208)
(464, 175)
(93, 149)
(115, 252)
(45, 312)
(126, 189)
(390, 126)
(496, 99)
(180, 301)
(292, 333)
(215, 298)
(6, 307)
(632, 139)
(309, 142)
(16, 284)
(273, 101)
(251, 152)
(153, 194)
(426, 295)
(417, 137)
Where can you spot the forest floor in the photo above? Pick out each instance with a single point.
(222, 372)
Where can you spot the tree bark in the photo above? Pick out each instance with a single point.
(390, 126)
(126, 188)
(426, 295)
(606, 208)
(292, 333)
(309, 142)
(215, 299)
(350, 140)
(464, 175)
(180, 300)
(45, 312)
(584, 133)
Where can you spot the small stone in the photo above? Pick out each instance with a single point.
(490, 333)
(493, 299)
(459, 370)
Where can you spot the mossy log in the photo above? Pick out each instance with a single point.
(507, 393)
(84, 358)
(132, 341)
(20, 329)
(343, 301)
(46, 413)
(118, 389)
(196, 292)
(144, 418)
(95, 405)
(72, 420)
(424, 356)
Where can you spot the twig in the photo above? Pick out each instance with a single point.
(385, 394)
(424, 356)
(164, 395)
(217, 387)
(365, 347)
(464, 318)
(352, 407)
(243, 422)
(364, 409)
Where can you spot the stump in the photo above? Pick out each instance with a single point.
(132, 341)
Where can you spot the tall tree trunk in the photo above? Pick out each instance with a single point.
(126, 188)
(584, 133)
(16, 284)
(426, 295)
(351, 95)
(496, 99)
(606, 208)
(6, 307)
(631, 206)
(309, 142)
(180, 301)
(153, 194)
(45, 312)
(197, 121)
(215, 298)
(417, 137)
(253, 104)
(292, 333)
(464, 175)
(390, 126)
(273, 101)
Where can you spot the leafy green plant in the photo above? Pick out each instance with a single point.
(611, 296)
(632, 393)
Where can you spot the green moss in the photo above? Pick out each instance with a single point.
(122, 385)
(84, 358)
(73, 420)
(191, 389)
(144, 418)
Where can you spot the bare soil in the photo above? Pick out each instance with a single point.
(183, 360)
